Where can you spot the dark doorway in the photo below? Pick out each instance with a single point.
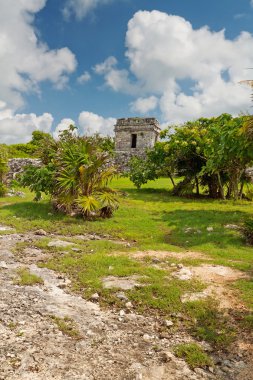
(134, 141)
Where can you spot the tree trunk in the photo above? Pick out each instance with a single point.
(221, 190)
(197, 185)
(172, 180)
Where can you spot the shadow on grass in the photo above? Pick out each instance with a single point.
(33, 211)
(155, 195)
(190, 227)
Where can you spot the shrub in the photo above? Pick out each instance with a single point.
(76, 175)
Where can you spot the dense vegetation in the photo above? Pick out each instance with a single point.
(75, 173)
(209, 153)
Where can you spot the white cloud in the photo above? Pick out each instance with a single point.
(144, 105)
(80, 8)
(25, 61)
(193, 72)
(117, 79)
(90, 123)
(18, 128)
(85, 77)
(62, 126)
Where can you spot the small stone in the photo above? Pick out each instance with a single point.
(3, 265)
(111, 267)
(173, 265)
(183, 274)
(232, 227)
(167, 356)
(40, 232)
(211, 369)
(129, 305)
(122, 313)
(155, 260)
(168, 323)
(209, 229)
(147, 337)
(122, 296)
(95, 297)
(76, 250)
(180, 266)
(59, 243)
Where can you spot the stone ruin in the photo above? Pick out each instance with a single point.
(17, 165)
(133, 136)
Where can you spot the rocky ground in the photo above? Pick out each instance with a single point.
(118, 345)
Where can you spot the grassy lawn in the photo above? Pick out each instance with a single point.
(148, 219)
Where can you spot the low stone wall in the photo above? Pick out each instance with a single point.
(122, 159)
(17, 165)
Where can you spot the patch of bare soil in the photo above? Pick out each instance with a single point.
(163, 255)
(217, 278)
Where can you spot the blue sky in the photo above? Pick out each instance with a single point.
(92, 61)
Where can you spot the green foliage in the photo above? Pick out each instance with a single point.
(3, 169)
(211, 153)
(140, 172)
(193, 354)
(75, 174)
(38, 179)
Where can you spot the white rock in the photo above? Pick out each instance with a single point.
(94, 297)
(168, 323)
(122, 313)
(147, 338)
(129, 305)
(209, 229)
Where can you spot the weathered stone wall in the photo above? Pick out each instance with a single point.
(17, 165)
(146, 130)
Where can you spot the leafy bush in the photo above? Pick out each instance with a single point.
(76, 175)
(210, 153)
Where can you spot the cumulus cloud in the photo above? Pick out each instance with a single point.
(18, 128)
(91, 123)
(25, 61)
(192, 72)
(80, 8)
(62, 126)
(144, 105)
(117, 79)
(85, 77)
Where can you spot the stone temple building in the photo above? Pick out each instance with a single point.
(133, 136)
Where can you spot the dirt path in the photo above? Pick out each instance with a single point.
(109, 346)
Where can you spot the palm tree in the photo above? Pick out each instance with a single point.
(82, 177)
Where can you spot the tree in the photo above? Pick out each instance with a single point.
(210, 152)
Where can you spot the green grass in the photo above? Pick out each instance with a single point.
(26, 278)
(67, 326)
(246, 289)
(87, 270)
(149, 219)
(193, 354)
